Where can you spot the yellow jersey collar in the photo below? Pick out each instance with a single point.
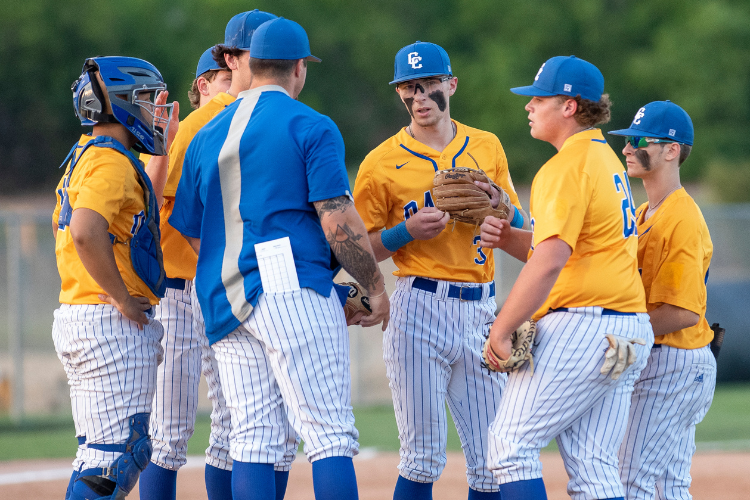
(224, 98)
(668, 201)
(585, 135)
(451, 149)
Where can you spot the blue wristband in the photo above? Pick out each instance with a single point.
(396, 237)
(517, 221)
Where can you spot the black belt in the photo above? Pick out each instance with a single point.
(454, 291)
(605, 312)
(177, 283)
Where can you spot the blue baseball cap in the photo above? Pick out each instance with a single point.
(206, 63)
(420, 60)
(281, 39)
(240, 28)
(661, 120)
(569, 76)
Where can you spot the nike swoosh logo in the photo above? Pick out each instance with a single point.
(399, 166)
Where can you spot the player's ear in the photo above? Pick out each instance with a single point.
(673, 152)
(299, 68)
(231, 61)
(453, 84)
(569, 108)
(202, 84)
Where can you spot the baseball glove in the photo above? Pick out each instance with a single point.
(522, 340)
(717, 341)
(619, 355)
(357, 302)
(456, 193)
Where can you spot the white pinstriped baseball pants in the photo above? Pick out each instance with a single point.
(433, 352)
(569, 399)
(672, 395)
(285, 371)
(111, 368)
(186, 355)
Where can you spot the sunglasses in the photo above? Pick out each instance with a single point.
(643, 142)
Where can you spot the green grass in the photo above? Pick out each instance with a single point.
(54, 437)
(729, 416)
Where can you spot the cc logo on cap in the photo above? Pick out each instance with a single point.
(414, 59)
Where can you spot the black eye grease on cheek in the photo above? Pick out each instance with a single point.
(439, 97)
(409, 101)
(644, 158)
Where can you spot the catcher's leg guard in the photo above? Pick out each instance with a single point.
(73, 478)
(116, 481)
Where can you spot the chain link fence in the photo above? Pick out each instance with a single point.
(32, 381)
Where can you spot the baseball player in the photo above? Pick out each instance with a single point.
(581, 284)
(186, 350)
(445, 294)
(234, 55)
(264, 198)
(106, 228)
(675, 390)
(211, 79)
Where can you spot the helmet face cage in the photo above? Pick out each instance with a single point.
(131, 86)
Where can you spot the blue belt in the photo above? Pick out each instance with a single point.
(454, 291)
(177, 283)
(656, 346)
(605, 312)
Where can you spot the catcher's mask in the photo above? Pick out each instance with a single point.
(125, 93)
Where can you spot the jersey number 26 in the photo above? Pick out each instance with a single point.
(622, 185)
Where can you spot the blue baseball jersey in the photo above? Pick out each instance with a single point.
(251, 175)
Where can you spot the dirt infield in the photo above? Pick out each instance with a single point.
(715, 476)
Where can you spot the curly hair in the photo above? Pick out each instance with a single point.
(218, 54)
(590, 113)
(194, 93)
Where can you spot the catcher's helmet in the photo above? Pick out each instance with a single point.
(125, 94)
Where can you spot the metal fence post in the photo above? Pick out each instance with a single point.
(15, 340)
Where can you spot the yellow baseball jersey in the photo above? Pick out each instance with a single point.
(179, 258)
(674, 252)
(582, 196)
(395, 181)
(104, 181)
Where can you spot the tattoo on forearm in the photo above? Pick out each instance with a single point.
(339, 204)
(357, 261)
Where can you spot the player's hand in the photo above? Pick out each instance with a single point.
(356, 319)
(494, 232)
(494, 194)
(161, 118)
(501, 342)
(132, 308)
(427, 223)
(381, 311)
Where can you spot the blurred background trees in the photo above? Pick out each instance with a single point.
(695, 53)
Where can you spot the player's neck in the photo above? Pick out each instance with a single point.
(436, 136)
(234, 90)
(115, 131)
(659, 185)
(567, 129)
